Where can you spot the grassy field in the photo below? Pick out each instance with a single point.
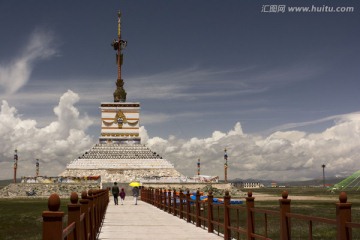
(308, 191)
(21, 218)
(325, 208)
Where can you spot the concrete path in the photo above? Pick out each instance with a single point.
(144, 221)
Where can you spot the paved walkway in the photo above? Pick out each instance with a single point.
(144, 221)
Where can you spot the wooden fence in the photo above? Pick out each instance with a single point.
(84, 220)
(225, 218)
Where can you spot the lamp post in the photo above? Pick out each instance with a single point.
(225, 165)
(198, 167)
(37, 167)
(15, 164)
(323, 167)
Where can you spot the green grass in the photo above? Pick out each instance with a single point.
(21, 218)
(325, 209)
(299, 228)
(318, 208)
(353, 194)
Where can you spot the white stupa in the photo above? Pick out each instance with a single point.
(119, 155)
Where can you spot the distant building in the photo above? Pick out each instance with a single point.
(249, 185)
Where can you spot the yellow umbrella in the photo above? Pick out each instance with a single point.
(135, 184)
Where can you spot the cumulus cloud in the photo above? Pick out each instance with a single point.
(16, 72)
(55, 144)
(282, 155)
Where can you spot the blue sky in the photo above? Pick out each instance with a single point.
(200, 69)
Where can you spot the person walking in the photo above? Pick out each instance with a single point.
(115, 192)
(122, 196)
(135, 192)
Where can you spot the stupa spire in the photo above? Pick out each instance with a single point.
(118, 45)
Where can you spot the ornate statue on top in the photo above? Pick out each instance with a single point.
(120, 93)
(118, 45)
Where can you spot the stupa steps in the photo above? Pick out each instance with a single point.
(119, 164)
(119, 156)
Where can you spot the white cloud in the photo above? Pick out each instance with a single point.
(55, 144)
(286, 155)
(282, 155)
(16, 73)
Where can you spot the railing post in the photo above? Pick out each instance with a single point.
(157, 198)
(105, 202)
(188, 217)
(210, 215)
(53, 219)
(181, 209)
(197, 208)
(92, 214)
(169, 200)
(143, 195)
(85, 209)
(285, 223)
(174, 203)
(74, 212)
(250, 215)
(100, 211)
(161, 198)
(98, 207)
(151, 196)
(165, 199)
(146, 195)
(227, 232)
(343, 215)
(96, 211)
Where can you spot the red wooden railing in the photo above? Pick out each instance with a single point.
(224, 217)
(84, 217)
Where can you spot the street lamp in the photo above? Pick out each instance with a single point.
(15, 164)
(225, 165)
(37, 167)
(323, 167)
(198, 167)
